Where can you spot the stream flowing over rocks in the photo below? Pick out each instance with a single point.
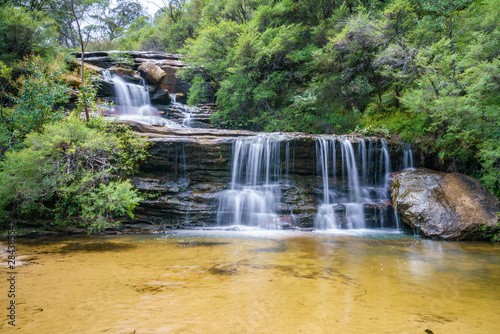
(158, 68)
(275, 180)
(200, 176)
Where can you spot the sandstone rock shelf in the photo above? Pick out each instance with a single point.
(189, 168)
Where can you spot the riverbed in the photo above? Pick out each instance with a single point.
(252, 281)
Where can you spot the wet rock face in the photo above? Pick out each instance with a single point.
(190, 169)
(152, 73)
(448, 206)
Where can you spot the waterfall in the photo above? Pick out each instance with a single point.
(255, 183)
(185, 110)
(407, 157)
(132, 102)
(353, 175)
(133, 99)
(355, 188)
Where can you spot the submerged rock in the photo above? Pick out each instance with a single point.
(448, 206)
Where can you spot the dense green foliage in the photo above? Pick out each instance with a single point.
(37, 92)
(425, 70)
(53, 166)
(25, 32)
(72, 170)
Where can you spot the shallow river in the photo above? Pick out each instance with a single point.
(254, 282)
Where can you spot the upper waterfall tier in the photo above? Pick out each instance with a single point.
(132, 102)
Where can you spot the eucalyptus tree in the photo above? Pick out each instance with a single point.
(173, 8)
(112, 22)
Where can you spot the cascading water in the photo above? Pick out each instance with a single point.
(133, 99)
(132, 102)
(355, 187)
(354, 191)
(185, 110)
(255, 184)
(407, 157)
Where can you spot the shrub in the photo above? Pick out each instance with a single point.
(39, 91)
(72, 172)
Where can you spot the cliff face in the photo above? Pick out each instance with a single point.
(191, 170)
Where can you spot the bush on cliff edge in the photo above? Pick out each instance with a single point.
(73, 172)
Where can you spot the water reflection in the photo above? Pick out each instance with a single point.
(257, 281)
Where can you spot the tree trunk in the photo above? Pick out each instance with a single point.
(82, 45)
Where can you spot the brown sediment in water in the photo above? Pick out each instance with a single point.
(223, 283)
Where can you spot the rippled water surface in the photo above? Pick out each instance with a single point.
(255, 282)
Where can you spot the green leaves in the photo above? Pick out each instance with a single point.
(71, 171)
(25, 32)
(106, 202)
(39, 91)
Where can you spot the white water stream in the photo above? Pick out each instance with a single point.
(133, 103)
(354, 174)
(355, 184)
(255, 183)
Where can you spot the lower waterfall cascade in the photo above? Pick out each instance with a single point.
(347, 176)
(353, 174)
(358, 183)
(254, 191)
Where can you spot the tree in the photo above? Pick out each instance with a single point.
(25, 32)
(38, 93)
(173, 8)
(113, 22)
(81, 13)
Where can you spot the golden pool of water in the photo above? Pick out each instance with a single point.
(253, 282)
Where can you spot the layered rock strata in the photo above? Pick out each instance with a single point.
(190, 168)
(168, 63)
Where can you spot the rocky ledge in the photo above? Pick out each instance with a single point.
(189, 169)
(447, 206)
(159, 68)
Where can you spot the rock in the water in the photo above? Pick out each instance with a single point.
(152, 73)
(448, 206)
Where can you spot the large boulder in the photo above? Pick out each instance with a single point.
(127, 74)
(448, 206)
(152, 73)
